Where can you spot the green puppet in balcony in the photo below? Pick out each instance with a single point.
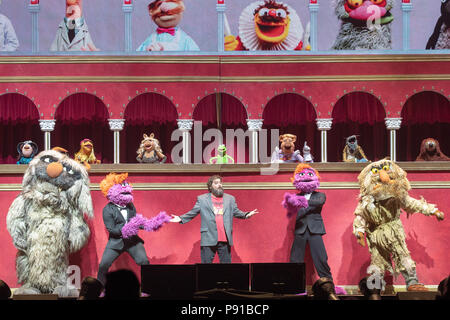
(222, 156)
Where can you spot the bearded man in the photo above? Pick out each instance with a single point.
(217, 210)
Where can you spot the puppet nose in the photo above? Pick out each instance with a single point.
(54, 169)
(384, 177)
(272, 13)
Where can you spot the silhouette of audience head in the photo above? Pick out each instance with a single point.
(369, 294)
(443, 290)
(5, 291)
(122, 284)
(91, 288)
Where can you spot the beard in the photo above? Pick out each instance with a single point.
(217, 192)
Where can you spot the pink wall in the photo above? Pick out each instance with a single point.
(266, 237)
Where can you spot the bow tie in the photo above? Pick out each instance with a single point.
(170, 31)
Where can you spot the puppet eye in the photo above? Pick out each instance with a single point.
(310, 174)
(281, 13)
(386, 167)
(377, 1)
(301, 174)
(263, 12)
(375, 170)
(355, 3)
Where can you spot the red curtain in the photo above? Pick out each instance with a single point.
(19, 121)
(147, 113)
(362, 114)
(233, 116)
(294, 114)
(81, 116)
(424, 115)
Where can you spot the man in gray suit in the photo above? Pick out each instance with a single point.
(216, 210)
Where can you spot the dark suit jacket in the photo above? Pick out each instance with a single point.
(208, 229)
(311, 216)
(114, 221)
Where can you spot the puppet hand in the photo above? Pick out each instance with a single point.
(361, 240)
(175, 219)
(155, 47)
(251, 213)
(294, 201)
(439, 215)
(90, 47)
(231, 43)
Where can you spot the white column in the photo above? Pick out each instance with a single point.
(116, 125)
(185, 125)
(313, 11)
(393, 124)
(34, 8)
(127, 8)
(254, 125)
(220, 8)
(47, 126)
(323, 125)
(406, 8)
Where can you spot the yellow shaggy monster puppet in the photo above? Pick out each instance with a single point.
(383, 193)
(86, 153)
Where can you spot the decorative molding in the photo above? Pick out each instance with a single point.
(47, 125)
(393, 123)
(185, 124)
(254, 124)
(116, 124)
(324, 124)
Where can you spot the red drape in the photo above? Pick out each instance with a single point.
(81, 116)
(147, 113)
(233, 116)
(294, 114)
(424, 115)
(18, 122)
(362, 114)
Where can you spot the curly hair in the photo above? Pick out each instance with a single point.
(211, 180)
(111, 180)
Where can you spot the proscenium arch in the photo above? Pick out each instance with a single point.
(79, 116)
(148, 112)
(19, 121)
(360, 113)
(426, 114)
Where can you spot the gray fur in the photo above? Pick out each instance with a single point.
(443, 41)
(353, 37)
(46, 223)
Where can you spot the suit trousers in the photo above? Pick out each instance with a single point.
(137, 252)
(318, 252)
(208, 253)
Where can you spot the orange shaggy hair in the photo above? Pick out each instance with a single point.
(111, 180)
(301, 167)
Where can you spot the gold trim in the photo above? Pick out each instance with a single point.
(339, 185)
(240, 79)
(226, 59)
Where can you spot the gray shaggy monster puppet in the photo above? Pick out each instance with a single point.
(46, 222)
(365, 24)
(440, 39)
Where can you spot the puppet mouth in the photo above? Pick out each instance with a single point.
(167, 17)
(125, 193)
(271, 32)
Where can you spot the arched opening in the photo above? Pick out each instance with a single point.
(424, 115)
(19, 121)
(294, 114)
(226, 117)
(81, 116)
(361, 114)
(148, 113)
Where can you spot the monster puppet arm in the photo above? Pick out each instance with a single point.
(411, 205)
(140, 222)
(359, 223)
(16, 223)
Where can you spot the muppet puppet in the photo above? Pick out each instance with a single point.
(167, 15)
(352, 151)
(46, 222)
(73, 33)
(365, 24)
(307, 205)
(123, 224)
(150, 151)
(267, 25)
(286, 153)
(8, 38)
(440, 39)
(86, 153)
(431, 151)
(222, 156)
(27, 150)
(307, 156)
(383, 193)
